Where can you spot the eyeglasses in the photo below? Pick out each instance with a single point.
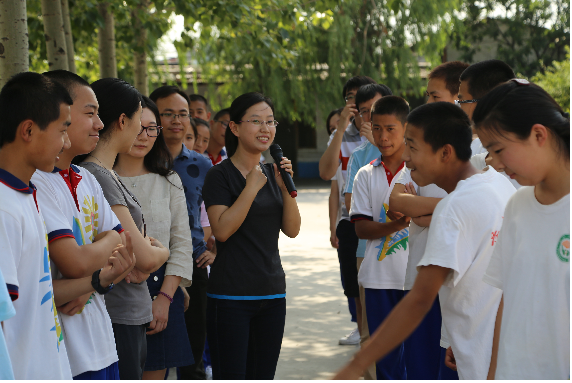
(260, 122)
(172, 116)
(223, 123)
(365, 114)
(152, 131)
(349, 98)
(459, 102)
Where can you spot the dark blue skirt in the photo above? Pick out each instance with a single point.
(170, 347)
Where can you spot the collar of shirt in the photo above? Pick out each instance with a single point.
(378, 161)
(219, 157)
(352, 130)
(15, 183)
(71, 177)
(185, 153)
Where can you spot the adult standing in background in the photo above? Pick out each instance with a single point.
(216, 150)
(248, 205)
(192, 167)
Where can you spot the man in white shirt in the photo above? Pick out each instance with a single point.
(459, 246)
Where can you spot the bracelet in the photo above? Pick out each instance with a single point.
(167, 296)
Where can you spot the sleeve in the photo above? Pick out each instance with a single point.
(111, 191)
(11, 250)
(7, 310)
(404, 176)
(353, 168)
(57, 225)
(216, 190)
(204, 217)
(110, 220)
(361, 208)
(447, 247)
(180, 262)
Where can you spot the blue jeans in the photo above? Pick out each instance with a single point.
(245, 337)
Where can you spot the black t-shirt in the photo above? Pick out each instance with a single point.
(247, 263)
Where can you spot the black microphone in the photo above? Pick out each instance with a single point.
(276, 153)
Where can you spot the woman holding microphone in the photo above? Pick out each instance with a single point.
(248, 204)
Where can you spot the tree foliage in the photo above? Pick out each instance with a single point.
(556, 81)
(529, 34)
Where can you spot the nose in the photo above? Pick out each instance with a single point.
(98, 124)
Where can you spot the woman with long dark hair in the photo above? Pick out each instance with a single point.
(146, 171)
(128, 304)
(248, 205)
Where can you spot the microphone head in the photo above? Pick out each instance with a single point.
(275, 149)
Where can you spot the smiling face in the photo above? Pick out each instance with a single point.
(388, 134)
(198, 109)
(521, 160)
(437, 91)
(202, 139)
(255, 138)
(419, 156)
(334, 123)
(218, 129)
(84, 129)
(174, 129)
(189, 140)
(143, 143)
(47, 144)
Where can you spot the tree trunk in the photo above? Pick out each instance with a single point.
(13, 39)
(140, 54)
(106, 39)
(55, 36)
(68, 35)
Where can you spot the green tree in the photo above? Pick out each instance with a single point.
(556, 81)
(529, 34)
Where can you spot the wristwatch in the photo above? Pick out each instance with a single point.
(97, 286)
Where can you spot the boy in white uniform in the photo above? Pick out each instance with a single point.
(459, 246)
(30, 138)
(82, 233)
(382, 271)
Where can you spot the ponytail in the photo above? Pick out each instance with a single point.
(516, 106)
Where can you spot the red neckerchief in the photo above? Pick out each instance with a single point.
(72, 180)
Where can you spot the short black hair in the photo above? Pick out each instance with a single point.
(391, 105)
(166, 91)
(30, 96)
(444, 123)
(450, 72)
(485, 75)
(200, 121)
(221, 113)
(368, 91)
(159, 159)
(238, 109)
(68, 79)
(356, 83)
(198, 97)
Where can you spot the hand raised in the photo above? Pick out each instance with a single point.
(256, 178)
(348, 112)
(365, 131)
(287, 165)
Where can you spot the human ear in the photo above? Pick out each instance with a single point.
(121, 121)
(25, 130)
(446, 152)
(539, 134)
(233, 128)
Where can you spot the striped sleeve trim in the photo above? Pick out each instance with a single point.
(119, 229)
(57, 234)
(361, 217)
(13, 291)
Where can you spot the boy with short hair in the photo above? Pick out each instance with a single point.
(198, 107)
(443, 82)
(36, 115)
(82, 233)
(382, 272)
(459, 246)
(216, 149)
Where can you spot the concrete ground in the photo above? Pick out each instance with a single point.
(317, 312)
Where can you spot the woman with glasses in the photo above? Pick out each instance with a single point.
(248, 205)
(146, 171)
(128, 304)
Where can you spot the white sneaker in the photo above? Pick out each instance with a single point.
(351, 339)
(209, 372)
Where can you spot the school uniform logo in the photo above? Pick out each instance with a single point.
(563, 248)
(390, 244)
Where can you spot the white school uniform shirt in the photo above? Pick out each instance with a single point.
(7, 311)
(417, 234)
(385, 258)
(462, 237)
(81, 216)
(33, 336)
(531, 265)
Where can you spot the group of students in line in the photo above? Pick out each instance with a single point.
(112, 206)
(459, 214)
